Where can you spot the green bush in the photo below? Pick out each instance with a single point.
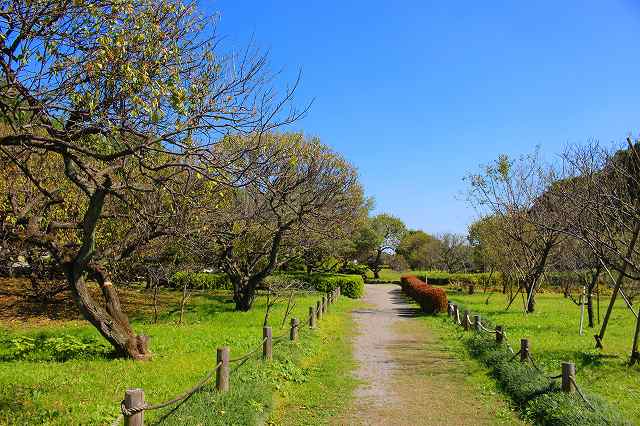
(201, 281)
(43, 347)
(350, 285)
(483, 279)
(354, 269)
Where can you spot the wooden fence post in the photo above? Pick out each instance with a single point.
(267, 345)
(324, 304)
(312, 317)
(524, 350)
(455, 312)
(339, 291)
(568, 373)
(134, 398)
(294, 328)
(477, 325)
(465, 321)
(222, 372)
(449, 309)
(318, 310)
(499, 334)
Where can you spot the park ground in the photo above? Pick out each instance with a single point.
(370, 361)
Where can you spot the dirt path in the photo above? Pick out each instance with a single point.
(407, 379)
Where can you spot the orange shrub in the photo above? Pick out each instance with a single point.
(432, 300)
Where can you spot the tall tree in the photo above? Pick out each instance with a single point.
(600, 201)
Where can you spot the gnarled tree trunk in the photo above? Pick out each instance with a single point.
(110, 321)
(244, 292)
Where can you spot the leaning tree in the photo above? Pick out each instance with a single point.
(110, 111)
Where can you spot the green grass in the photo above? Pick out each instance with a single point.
(476, 376)
(390, 275)
(325, 356)
(88, 390)
(553, 334)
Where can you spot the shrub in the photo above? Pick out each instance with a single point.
(351, 268)
(350, 285)
(43, 347)
(431, 300)
(201, 281)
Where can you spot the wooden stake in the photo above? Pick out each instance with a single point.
(568, 373)
(222, 372)
(524, 350)
(293, 335)
(134, 398)
(312, 317)
(267, 345)
(499, 334)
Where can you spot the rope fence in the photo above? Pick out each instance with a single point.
(133, 406)
(568, 375)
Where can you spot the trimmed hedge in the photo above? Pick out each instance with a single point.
(431, 300)
(351, 285)
(201, 281)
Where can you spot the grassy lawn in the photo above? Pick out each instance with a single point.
(476, 377)
(325, 356)
(390, 275)
(87, 388)
(553, 335)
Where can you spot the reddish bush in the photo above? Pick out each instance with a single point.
(432, 300)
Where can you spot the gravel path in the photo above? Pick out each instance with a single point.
(406, 378)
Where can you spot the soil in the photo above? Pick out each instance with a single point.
(407, 377)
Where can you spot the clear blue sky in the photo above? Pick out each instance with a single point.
(417, 94)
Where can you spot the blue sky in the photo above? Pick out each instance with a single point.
(417, 94)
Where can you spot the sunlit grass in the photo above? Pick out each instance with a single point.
(89, 391)
(553, 333)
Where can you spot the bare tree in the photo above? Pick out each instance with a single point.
(512, 192)
(600, 198)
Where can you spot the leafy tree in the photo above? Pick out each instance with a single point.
(524, 223)
(112, 110)
(382, 235)
(301, 190)
(421, 250)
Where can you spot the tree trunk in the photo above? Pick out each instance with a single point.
(111, 322)
(531, 304)
(594, 281)
(244, 293)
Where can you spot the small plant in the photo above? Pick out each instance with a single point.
(46, 348)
